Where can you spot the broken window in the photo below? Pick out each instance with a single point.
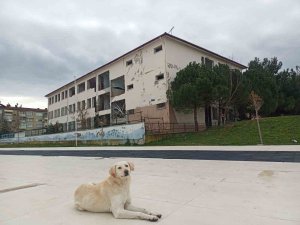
(104, 102)
(129, 62)
(91, 83)
(202, 60)
(130, 111)
(72, 91)
(117, 86)
(81, 87)
(161, 105)
(209, 63)
(66, 93)
(157, 49)
(103, 80)
(160, 76)
(118, 112)
(102, 121)
(130, 86)
(93, 102)
(89, 103)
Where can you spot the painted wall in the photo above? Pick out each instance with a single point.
(120, 134)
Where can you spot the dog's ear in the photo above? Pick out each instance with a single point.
(112, 171)
(131, 165)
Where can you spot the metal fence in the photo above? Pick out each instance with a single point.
(171, 128)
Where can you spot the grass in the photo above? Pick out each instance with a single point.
(275, 131)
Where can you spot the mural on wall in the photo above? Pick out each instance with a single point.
(135, 133)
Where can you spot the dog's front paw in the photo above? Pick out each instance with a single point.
(153, 218)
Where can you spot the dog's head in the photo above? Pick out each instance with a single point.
(121, 169)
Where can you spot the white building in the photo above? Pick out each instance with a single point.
(131, 87)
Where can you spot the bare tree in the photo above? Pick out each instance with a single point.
(257, 102)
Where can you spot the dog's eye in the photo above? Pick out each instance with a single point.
(119, 167)
(126, 165)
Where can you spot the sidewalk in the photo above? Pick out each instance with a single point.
(184, 191)
(199, 148)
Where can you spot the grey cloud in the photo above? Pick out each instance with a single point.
(43, 44)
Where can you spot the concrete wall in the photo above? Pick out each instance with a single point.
(135, 133)
(143, 90)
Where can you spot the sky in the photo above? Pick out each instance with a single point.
(44, 44)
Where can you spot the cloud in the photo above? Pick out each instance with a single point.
(44, 44)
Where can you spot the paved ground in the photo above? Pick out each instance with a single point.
(39, 190)
(245, 153)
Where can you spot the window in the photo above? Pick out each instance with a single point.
(117, 86)
(158, 49)
(130, 111)
(103, 81)
(62, 111)
(78, 106)
(161, 105)
(129, 62)
(83, 104)
(52, 100)
(63, 95)
(70, 109)
(66, 110)
(130, 86)
(72, 91)
(55, 98)
(66, 93)
(94, 102)
(160, 76)
(58, 97)
(209, 63)
(89, 103)
(91, 84)
(49, 101)
(81, 87)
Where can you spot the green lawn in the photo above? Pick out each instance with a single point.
(275, 131)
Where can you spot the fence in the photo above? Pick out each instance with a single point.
(171, 128)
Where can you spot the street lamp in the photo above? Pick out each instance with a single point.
(75, 117)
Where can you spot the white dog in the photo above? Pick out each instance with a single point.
(112, 195)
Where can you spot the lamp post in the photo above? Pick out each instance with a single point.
(75, 116)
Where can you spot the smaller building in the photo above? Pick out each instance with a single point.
(19, 118)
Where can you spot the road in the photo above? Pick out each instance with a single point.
(264, 156)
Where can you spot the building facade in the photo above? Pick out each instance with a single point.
(23, 119)
(132, 87)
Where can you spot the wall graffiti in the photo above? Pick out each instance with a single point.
(173, 66)
(133, 132)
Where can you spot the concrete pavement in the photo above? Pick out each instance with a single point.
(39, 190)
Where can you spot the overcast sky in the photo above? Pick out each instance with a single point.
(44, 44)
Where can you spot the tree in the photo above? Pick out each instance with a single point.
(191, 88)
(262, 80)
(257, 102)
(288, 82)
(227, 85)
(4, 126)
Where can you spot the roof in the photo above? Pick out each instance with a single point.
(22, 109)
(152, 40)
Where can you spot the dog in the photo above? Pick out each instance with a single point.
(112, 195)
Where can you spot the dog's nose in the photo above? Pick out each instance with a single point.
(126, 172)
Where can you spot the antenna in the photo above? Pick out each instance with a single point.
(170, 31)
